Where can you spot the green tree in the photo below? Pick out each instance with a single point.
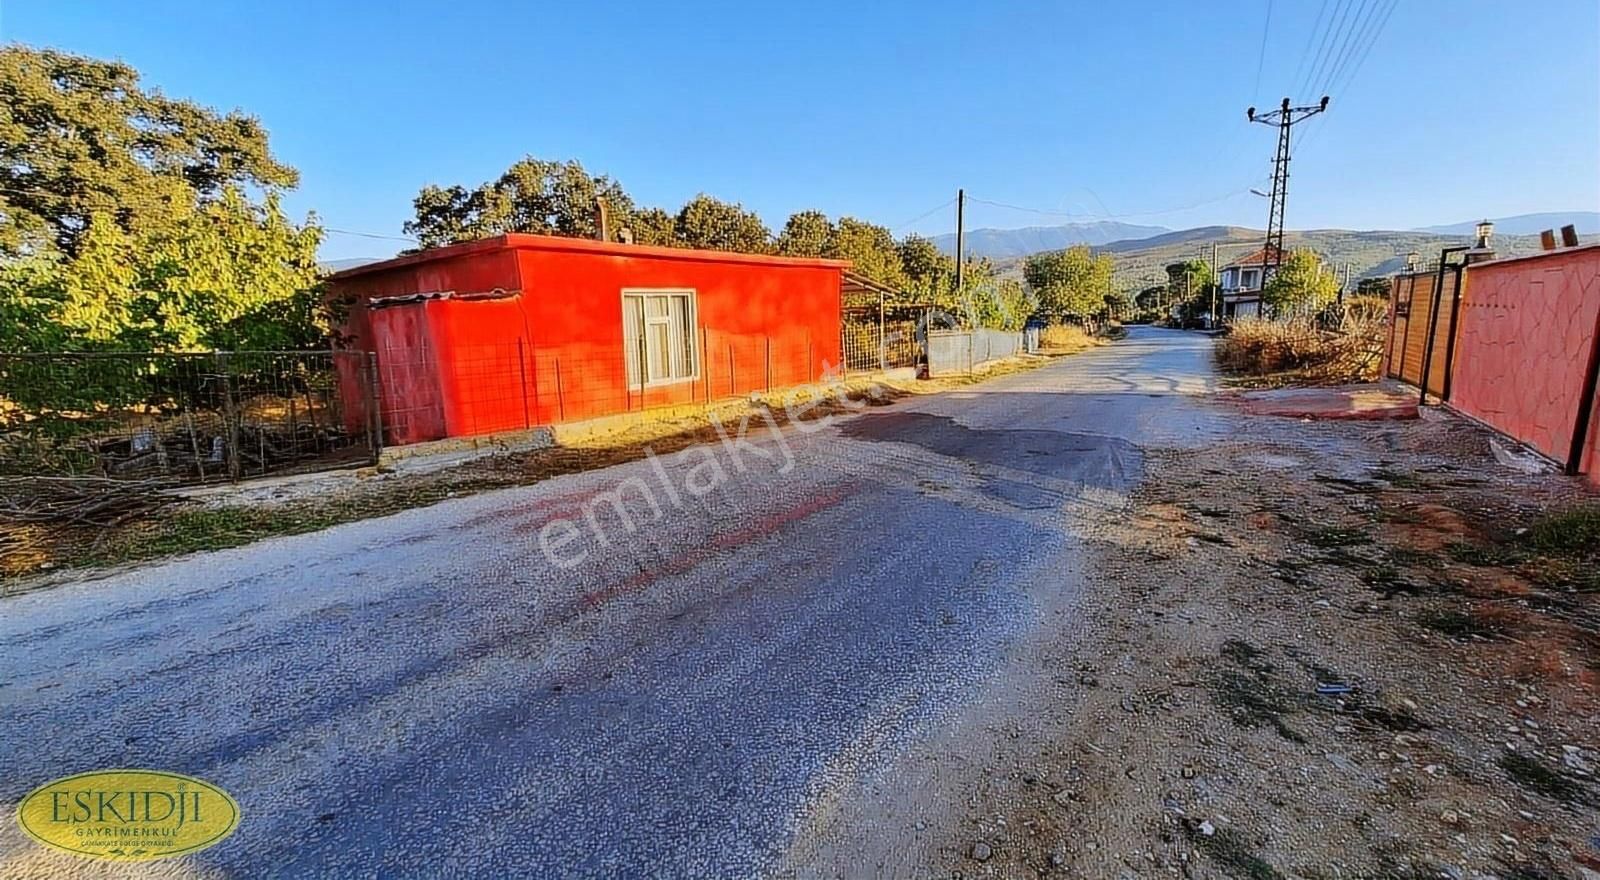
(125, 220)
(871, 248)
(1301, 282)
(228, 275)
(806, 234)
(655, 227)
(81, 137)
(1073, 281)
(930, 273)
(533, 195)
(712, 224)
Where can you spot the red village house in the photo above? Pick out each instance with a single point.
(523, 330)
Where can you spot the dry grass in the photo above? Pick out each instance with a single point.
(1296, 351)
(1067, 339)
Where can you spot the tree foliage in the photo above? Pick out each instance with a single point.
(125, 220)
(81, 138)
(1301, 282)
(871, 248)
(1073, 281)
(806, 234)
(716, 225)
(533, 195)
(229, 274)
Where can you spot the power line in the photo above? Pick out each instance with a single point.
(371, 234)
(925, 214)
(1311, 37)
(1261, 57)
(1335, 24)
(1354, 71)
(1081, 216)
(1340, 57)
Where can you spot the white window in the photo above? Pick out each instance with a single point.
(1252, 279)
(658, 336)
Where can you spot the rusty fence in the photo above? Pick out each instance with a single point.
(186, 418)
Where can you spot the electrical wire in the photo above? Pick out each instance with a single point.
(1082, 217)
(925, 214)
(1311, 37)
(1261, 57)
(370, 234)
(1335, 24)
(1349, 44)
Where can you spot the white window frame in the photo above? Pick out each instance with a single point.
(692, 341)
(1244, 279)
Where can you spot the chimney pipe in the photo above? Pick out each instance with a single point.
(1569, 235)
(603, 231)
(1547, 240)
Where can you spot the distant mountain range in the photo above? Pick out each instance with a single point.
(1002, 243)
(1143, 261)
(1588, 223)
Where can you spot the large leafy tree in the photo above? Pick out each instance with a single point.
(533, 195)
(871, 248)
(929, 271)
(229, 274)
(1073, 281)
(806, 234)
(1301, 282)
(125, 219)
(81, 137)
(712, 224)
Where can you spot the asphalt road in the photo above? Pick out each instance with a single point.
(428, 694)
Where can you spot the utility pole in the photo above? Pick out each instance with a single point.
(1284, 118)
(1216, 282)
(961, 272)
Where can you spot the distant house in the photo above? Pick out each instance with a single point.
(1241, 282)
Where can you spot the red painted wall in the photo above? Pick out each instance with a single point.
(464, 366)
(1523, 339)
(761, 325)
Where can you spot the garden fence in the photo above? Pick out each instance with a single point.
(185, 418)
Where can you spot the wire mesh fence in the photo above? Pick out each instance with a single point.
(185, 417)
(880, 337)
(471, 390)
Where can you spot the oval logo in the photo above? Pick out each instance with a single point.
(128, 815)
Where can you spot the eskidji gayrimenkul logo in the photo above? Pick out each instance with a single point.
(128, 815)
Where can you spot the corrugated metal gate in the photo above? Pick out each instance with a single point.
(1421, 335)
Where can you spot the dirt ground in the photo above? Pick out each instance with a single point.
(1337, 650)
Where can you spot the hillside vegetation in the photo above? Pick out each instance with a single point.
(1142, 262)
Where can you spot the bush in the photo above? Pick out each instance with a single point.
(1298, 348)
(1065, 338)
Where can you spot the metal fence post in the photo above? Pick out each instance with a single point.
(883, 340)
(374, 407)
(769, 364)
(561, 401)
(522, 376)
(230, 416)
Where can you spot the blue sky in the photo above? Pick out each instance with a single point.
(1079, 111)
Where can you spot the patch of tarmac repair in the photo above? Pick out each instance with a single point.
(1108, 463)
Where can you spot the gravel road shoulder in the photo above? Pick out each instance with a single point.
(1332, 650)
